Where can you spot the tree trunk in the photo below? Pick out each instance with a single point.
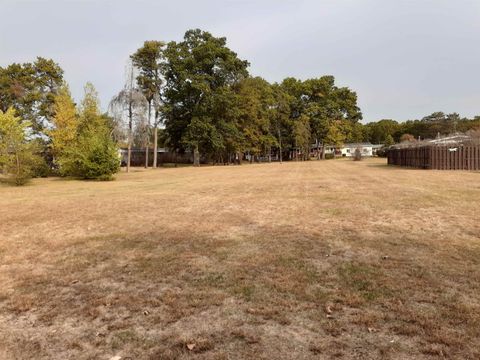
(18, 164)
(146, 156)
(147, 141)
(155, 146)
(130, 131)
(296, 150)
(279, 143)
(129, 155)
(196, 157)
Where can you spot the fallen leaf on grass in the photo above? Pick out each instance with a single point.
(191, 346)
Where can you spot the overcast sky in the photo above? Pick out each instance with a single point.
(405, 59)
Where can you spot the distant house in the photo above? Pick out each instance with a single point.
(348, 150)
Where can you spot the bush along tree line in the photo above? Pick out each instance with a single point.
(192, 96)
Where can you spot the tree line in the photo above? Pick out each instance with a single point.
(209, 105)
(192, 96)
(388, 131)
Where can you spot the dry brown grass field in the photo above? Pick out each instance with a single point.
(332, 259)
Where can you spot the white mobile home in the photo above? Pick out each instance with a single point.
(348, 150)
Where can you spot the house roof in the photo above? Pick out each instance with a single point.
(355, 145)
(142, 150)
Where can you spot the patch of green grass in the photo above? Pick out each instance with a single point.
(245, 291)
(124, 337)
(214, 279)
(363, 279)
(299, 267)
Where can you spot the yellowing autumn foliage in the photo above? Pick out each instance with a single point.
(65, 122)
(18, 157)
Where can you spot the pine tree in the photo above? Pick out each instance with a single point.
(389, 140)
(94, 154)
(65, 122)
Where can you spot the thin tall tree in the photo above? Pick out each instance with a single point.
(128, 108)
(148, 60)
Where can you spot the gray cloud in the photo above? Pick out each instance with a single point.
(405, 59)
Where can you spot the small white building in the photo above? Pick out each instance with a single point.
(348, 150)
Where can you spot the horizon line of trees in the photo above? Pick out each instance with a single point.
(429, 127)
(207, 103)
(195, 95)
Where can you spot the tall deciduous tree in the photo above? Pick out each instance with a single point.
(302, 136)
(378, 131)
(149, 60)
(335, 136)
(199, 74)
(280, 117)
(30, 89)
(255, 104)
(128, 110)
(323, 103)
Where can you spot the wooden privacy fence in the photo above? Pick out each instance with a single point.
(437, 157)
(138, 158)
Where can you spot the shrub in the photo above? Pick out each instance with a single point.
(382, 152)
(357, 155)
(94, 156)
(41, 169)
(407, 138)
(18, 156)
